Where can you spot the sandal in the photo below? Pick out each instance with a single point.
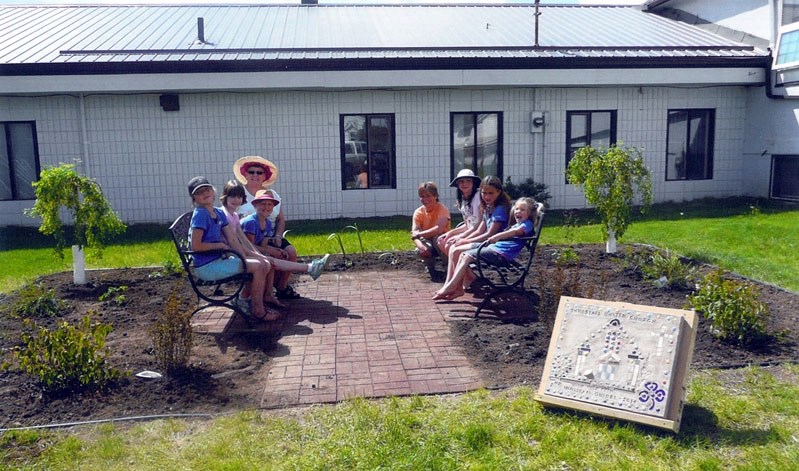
(288, 293)
(269, 316)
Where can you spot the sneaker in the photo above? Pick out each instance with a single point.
(244, 305)
(317, 266)
(288, 293)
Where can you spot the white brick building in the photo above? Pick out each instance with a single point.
(144, 105)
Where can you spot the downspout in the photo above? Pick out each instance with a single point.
(769, 93)
(775, 26)
(84, 136)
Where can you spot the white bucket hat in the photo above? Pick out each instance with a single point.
(465, 173)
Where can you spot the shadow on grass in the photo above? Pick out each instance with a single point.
(699, 427)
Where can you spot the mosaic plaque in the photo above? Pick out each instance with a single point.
(621, 360)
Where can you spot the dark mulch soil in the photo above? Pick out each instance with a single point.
(509, 347)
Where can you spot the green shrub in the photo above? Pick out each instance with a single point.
(529, 187)
(732, 307)
(172, 336)
(116, 295)
(70, 358)
(664, 269)
(34, 300)
(567, 257)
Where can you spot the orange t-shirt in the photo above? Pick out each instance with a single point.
(424, 219)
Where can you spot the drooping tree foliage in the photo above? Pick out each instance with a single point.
(93, 218)
(610, 178)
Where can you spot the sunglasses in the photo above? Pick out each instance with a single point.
(255, 172)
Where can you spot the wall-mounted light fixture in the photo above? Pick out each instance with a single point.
(170, 102)
(537, 121)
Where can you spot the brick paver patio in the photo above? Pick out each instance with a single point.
(362, 334)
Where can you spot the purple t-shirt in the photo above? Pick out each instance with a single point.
(212, 232)
(250, 225)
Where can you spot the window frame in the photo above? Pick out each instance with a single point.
(347, 174)
(10, 158)
(500, 143)
(775, 179)
(692, 113)
(588, 113)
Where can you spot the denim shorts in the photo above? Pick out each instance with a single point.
(219, 269)
(488, 255)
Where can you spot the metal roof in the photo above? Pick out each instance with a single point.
(76, 39)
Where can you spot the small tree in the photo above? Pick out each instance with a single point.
(93, 219)
(610, 178)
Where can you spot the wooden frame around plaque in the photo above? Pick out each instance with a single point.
(620, 360)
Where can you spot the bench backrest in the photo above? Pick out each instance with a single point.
(180, 236)
(532, 242)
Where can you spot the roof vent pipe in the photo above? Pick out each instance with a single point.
(200, 30)
(537, 14)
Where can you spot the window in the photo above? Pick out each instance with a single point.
(790, 11)
(589, 128)
(476, 143)
(785, 177)
(19, 160)
(367, 151)
(689, 155)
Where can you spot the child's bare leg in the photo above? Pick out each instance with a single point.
(452, 289)
(257, 287)
(269, 287)
(454, 257)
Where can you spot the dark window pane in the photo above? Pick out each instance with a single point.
(689, 155)
(785, 177)
(589, 128)
(476, 142)
(368, 151)
(600, 130)
(24, 159)
(5, 168)
(678, 130)
(18, 160)
(487, 144)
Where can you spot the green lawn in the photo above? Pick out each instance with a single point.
(748, 421)
(755, 238)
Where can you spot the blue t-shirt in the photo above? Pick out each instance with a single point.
(510, 248)
(212, 232)
(250, 225)
(498, 214)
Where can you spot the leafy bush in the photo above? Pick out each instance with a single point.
(529, 187)
(172, 336)
(34, 300)
(732, 307)
(70, 358)
(115, 294)
(664, 269)
(567, 257)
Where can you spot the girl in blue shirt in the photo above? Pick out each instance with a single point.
(495, 207)
(209, 232)
(504, 247)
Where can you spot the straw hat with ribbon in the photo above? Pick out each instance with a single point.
(241, 166)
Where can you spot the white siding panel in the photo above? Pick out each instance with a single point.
(143, 156)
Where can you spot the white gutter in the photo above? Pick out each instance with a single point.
(342, 80)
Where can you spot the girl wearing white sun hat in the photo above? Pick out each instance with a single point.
(468, 185)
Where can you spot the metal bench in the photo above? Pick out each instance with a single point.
(218, 293)
(511, 277)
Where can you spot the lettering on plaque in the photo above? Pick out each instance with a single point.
(619, 357)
